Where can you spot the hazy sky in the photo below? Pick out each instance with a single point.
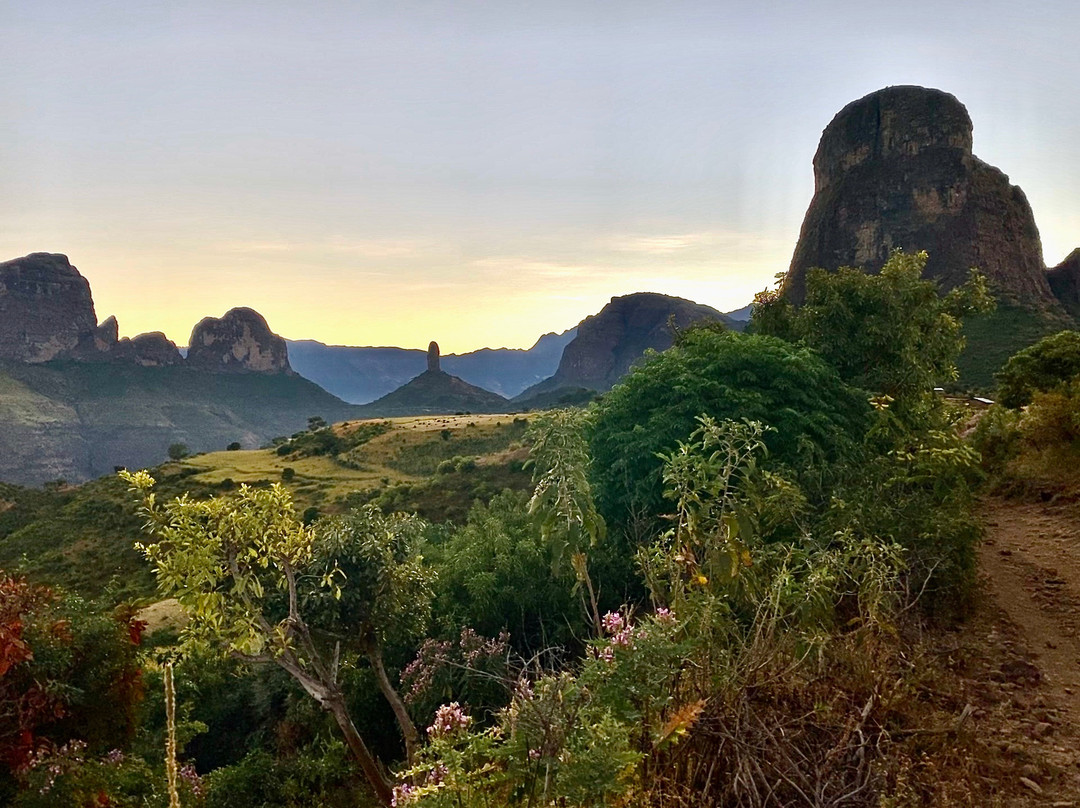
(478, 173)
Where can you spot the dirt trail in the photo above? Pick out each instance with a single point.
(1030, 565)
(1031, 558)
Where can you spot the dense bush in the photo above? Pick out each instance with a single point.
(495, 574)
(69, 673)
(1048, 364)
(814, 416)
(889, 332)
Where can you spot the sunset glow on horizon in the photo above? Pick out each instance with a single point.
(477, 174)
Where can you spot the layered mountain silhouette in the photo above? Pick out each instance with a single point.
(609, 342)
(435, 392)
(77, 401)
(362, 374)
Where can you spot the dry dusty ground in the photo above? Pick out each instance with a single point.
(1018, 659)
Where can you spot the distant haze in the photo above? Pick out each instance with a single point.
(370, 173)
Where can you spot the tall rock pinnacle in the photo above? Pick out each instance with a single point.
(433, 357)
(895, 169)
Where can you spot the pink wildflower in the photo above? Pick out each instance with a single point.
(449, 718)
(612, 622)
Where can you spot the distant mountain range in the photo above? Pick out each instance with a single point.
(435, 392)
(593, 360)
(362, 375)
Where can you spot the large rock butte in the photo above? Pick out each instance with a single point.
(238, 342)
(610, 341)
(45, 308)
(896, 169)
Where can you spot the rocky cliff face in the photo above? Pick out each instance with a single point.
(896, 169)
(1065, 282)
(239, 342)
(153, 350)
(45, 308)
(609, 342)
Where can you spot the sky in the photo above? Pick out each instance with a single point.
(478, 173)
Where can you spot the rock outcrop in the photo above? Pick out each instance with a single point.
(1065, 282)
(433, 357)
(239, 342)
(609, 342)
(896, 169)
(46, 310)
(153, 350)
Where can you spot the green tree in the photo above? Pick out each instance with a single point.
(261, 586)
(891, 332)
(178, 451)
(1049, 364)
(563, 497)
(814, 416)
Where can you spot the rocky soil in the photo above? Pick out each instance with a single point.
(1018, 659)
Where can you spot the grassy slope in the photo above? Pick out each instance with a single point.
(993, 338)
(83, 537)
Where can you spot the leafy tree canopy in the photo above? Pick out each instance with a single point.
(724, 375)
(890, 332)
(1048, 364)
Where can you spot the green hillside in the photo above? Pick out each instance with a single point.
(993, 338)
(76, 421)
(83, 537)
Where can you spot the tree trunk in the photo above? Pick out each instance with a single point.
(408, 728)
(336, 707)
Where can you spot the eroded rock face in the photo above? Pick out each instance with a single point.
(433, 356)
(1065, 282)
(45, 308)
(895, 169)
(239, 342)
(152, 350)
(611, 340)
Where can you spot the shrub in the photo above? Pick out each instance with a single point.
(889, 332)
(287, 474)
(814, 416)
(1052, 419)
(233, 447)
(1048, 364)
(495, 574)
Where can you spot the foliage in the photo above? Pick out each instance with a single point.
(318, 776)
(70, 776)
(891, 332)
(494, 573)
(1034, 450)
(704, 543)
(244, 568)
(604, 732)
(990, 338)
(69, 673)
(917, 488)
(815, 418)
(471, 668)
(1047, 365)
(178, 451)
